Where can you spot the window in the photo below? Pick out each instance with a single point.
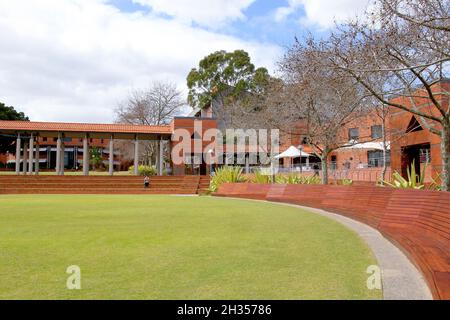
(375, 158)
(413, 125)
(333, 164)
(353, 134)
(376, 132)
(44, 139)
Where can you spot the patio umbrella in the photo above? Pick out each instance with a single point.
(292, 152)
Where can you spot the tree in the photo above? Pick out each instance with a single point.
(407, 43)
(9, 113)
(154, 106)
(224, 75)
(319, 97)
(96, 159)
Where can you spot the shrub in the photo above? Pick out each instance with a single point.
(413, 181)
(347, 182)
(288, 179)
(296, 179)
(261, 177)
(226, 174)
(144, 170)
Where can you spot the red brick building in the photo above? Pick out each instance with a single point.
(411, 136)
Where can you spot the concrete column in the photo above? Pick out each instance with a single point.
(85, 156)
(136, 156)
(307, 162)
(63, 152)
(36, 168)
(58, 155)
(169, 152)
(75, 157)
(18, 145)
(49, 156)
(25, 158)
(247, 164)
(160, 157)
(30, 156)
(111, 156)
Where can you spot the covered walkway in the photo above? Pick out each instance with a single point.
(27, 133)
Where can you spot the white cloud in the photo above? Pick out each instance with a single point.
(211, 13)
(323, 12)
(74, 60)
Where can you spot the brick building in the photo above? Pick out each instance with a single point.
(411, 138)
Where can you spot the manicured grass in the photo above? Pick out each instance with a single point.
(169, 247)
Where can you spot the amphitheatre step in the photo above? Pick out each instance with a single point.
(102, 184)
(98, 191)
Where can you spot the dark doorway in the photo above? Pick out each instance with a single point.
(196, 165)
(414, 153)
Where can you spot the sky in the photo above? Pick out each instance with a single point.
(76, 60)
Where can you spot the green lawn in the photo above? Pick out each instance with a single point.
(169, 247)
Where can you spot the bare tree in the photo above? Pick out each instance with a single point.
(320, 97)
(154, 106)
(407, 43)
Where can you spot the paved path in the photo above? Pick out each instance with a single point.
(400, 278)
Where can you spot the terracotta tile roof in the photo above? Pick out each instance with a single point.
(83, 127)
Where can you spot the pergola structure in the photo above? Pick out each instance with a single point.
(31, 130)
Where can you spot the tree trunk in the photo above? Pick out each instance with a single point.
(324, 159)
(445, 152)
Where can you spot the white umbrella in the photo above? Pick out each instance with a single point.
(369, 145)
(292, 152)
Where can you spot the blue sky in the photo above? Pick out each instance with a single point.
(258, 25)
(77, 60)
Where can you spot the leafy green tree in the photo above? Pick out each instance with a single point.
(224, 75)
(9, 113)
(96, 159)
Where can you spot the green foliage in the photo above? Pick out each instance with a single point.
(413, 180)
(226, 174)
(347, 182)
(260, 177)
(221, 71)
(296, 179)
(144, 170)
(9, 113)
(95, 158)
